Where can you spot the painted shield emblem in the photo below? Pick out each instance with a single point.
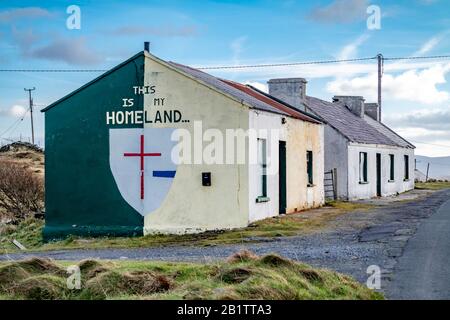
(142, 166)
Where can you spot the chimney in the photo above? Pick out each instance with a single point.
(354, 103)
(147, 46)
(371, 109)
(290, 90)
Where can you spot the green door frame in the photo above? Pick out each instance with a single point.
(379, 174)
(282, 177)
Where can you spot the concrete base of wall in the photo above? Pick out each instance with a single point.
(61, 232)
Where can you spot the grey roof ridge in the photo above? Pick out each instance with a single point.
(343, 134)
(307, 114)
(324, 121)
(385, 126)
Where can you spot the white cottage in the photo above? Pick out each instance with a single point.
(370, 159)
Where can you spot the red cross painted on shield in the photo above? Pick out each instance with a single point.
(142, 156)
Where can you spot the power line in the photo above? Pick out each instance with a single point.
(52, 70)
(286, 64)
(419, 57)
(15, 124)
(250, 66)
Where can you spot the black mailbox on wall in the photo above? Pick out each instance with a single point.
(206, 179)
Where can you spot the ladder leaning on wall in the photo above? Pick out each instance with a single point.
(330, 184)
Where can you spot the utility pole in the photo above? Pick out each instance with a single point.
(380, 76)
(428, 171)
(31, 112)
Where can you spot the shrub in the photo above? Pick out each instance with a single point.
(21, 192)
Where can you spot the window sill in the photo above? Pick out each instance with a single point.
(311, 185)
(262, 199)
(391, 181)
(362, 182)
(405, 180)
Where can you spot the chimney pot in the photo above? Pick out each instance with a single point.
(371, 109)
(290, 90)
(147, 46)
(354, 103)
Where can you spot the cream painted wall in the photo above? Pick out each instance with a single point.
(366, 191)
(190, 207)
(302, 137)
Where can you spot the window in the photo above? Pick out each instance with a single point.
(262, 170)
(406, 167)
(309, 166)
(363, 167)
(392, 166)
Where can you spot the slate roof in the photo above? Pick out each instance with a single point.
(264, 97)
(354, 128)
(244, 93)
(388, 132)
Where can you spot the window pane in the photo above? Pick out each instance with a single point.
(309, 165)
(363, 167)
(262, 168)
(392, 166)
(406, 167)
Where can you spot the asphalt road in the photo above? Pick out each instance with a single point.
(423, 271)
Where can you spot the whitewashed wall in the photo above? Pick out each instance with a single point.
(299, 136)
(261, 121)
(369, 190)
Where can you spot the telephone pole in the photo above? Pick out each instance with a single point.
(380, 76)
(31, 111)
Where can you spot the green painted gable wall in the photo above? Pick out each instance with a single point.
(81, 195)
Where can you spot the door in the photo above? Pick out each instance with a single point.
(378, 174)
(282, 177)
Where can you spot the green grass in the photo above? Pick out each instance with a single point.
(29, 232)
(243, 276)
(432, 185)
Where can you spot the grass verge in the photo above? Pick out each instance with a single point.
(432, 185)
(243, 276)
(29, 232)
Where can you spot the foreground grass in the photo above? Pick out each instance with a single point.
(243, 276)
(29, 233)
(432, 185)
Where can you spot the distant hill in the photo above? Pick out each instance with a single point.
(439, 166)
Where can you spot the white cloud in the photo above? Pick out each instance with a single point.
(428, 129)
(237, 46)
(430, 45)
(350, 50)
(258, 85)
(15, 111)
(411, 85)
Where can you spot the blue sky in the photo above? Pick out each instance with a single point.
(33, 34)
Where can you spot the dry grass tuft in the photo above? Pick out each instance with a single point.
(242, 256)
(235, 275)
(274, 260)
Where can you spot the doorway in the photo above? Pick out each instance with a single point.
(378, 174)
(282, 177)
